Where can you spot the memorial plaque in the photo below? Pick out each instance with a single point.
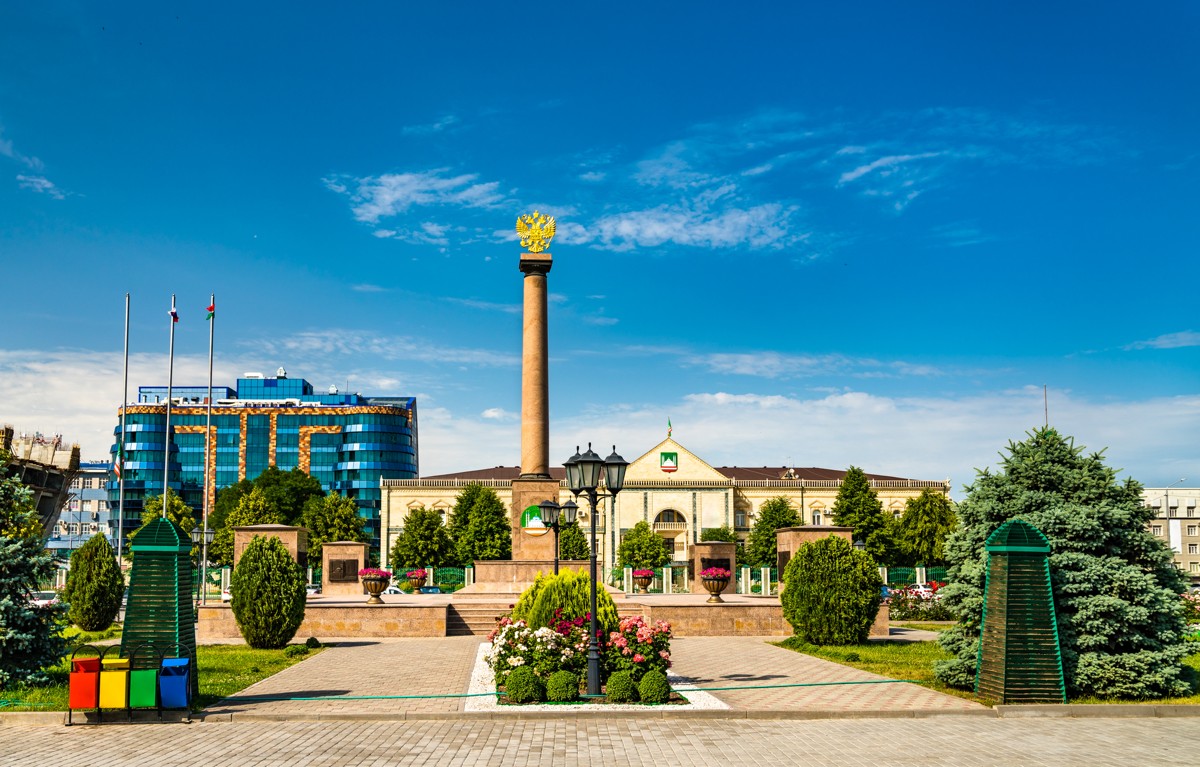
(343, 570)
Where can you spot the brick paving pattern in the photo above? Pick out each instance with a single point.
(952, 742)
(737, 661)
(407, 666)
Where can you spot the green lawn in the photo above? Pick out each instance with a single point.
(922, 626)
(224, 670)
(913, 661)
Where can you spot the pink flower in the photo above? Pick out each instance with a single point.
(664, 654)
(626, 651)
(638, 658)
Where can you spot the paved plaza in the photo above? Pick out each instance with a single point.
(950, 741)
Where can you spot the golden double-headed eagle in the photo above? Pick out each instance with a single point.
(535, 231)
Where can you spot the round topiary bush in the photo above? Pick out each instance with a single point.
(523, 686)
(621, 688)
(95, 585)
(568, 595)
(312, 643)
(654, 687)
(832, 592)
(562, 686)
(268, 594)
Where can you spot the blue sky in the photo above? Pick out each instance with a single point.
(814, 237)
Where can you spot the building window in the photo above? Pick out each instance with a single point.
(1156, 530)
(1194, 567)
(73, 528)
(1192, 529)
(739, 519)
(816, 517)
(87, 482)
(1193, 548)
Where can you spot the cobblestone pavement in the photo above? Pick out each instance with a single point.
(410, 666)
(747, 661)
(956, 742)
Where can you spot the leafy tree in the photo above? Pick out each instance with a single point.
(288, 491)
(727, 534)
(832, 592)
(331, 518)
(268, 594)
(479, 525)
(226, 501)
(30, 637)
(857, 506)
(921, 534)
(423, 542)
(643, 548)
(95, 585)
(761, 548)
(1116, 586)
(177, 511)
(254, 508)
(572, 542)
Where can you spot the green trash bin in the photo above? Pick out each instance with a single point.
(143, 678)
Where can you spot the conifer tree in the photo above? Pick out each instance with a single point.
(423, 542)
(1116, 586)
(858, 506)
(268, 593)
(832, 592)
(479, 526)
(572, 542)
(95, 585)
(30, 637)
(762, 548)
(921, 534)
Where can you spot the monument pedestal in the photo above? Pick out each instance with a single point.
(526, 493)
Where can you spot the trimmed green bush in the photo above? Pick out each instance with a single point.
(520, 611)
(562, 686)
(569, 592)
(524, 686)
(654, 688)
(621, 688)
(294, 650)
(268, 594)
(95, 585)
(832, 592)
(312, 643)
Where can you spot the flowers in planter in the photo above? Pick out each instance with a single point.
(545, 650)
(643, 573)
(716, 573)
(416, 575)
(637, 647)
(374, 572)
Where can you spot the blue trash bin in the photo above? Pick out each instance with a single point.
(174, 683)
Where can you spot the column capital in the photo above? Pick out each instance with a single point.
(535, 263)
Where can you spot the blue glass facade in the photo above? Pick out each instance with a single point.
(348, 442)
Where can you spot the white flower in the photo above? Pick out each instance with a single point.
(516, 660)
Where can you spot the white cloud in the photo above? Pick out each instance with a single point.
(884, 164)
(435, 127)
(671, 169)
(497, 414)
(40, 184)
(353, 341)
(368, 288)
(486, 305)
(761, 226)
(8, 150)
(1180, 340)
(768, 364)
(390, 194)
(593, 176)
(600, 320)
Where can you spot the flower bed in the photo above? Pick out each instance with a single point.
(716, 574)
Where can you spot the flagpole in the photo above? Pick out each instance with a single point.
(212, 321)
(167, 432)
(121, 443)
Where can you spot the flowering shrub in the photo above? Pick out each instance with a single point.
(545, 650)
(1191, 607)
(908, 605)
(716, 573)
(638, 647)
(416, 575)
(643, 573)
(374, 572)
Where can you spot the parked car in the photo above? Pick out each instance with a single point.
(393, 590)
(226, 596)
(312, 590)
(43, 598)
(920, 590)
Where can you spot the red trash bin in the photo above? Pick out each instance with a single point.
(83, 692)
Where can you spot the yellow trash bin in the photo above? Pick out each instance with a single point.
(114, 683)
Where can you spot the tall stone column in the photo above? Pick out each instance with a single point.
(534, 485)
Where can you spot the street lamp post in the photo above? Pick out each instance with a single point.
(1167, 496)
(202, 538)
(583, 476)
(554, 516)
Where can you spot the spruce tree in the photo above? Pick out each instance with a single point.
(858, 506)
(1116, 586)
(572, 542)
(95, 585)
(30, 637)
(423, 542)
(762, 548)
(268, 594)
(642, 548)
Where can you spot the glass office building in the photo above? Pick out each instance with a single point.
(348, 442)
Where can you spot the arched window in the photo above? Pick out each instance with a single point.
(669, 515)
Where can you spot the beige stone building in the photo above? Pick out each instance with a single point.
(1177, 522)
(671, 488)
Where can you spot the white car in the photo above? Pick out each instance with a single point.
(393, 590)
(226, 596)
(43, 598)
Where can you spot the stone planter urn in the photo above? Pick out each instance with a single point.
(642, 580)
(416, 579)
(375, 586)
(715, 579)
